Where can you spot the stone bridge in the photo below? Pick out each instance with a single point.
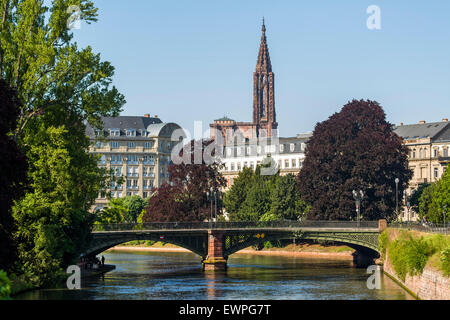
(214, 242)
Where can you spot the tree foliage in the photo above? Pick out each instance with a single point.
(435, 200)
(13, 168)
(256, 197)
(122, 210)
(53, 218)
(39, 58)
(60, 87)
(355, 149)
(184, 198)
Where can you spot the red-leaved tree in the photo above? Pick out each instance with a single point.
(184, 198)
(355, 149)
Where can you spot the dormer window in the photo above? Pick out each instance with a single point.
(131, 132)
(281, 147)
(98, 133)
(114, 132)
(143, 132)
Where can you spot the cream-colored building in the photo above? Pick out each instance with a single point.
(288, 155)
(429, 147)
(135, 148)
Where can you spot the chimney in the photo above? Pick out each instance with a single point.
(422, 122)
(147, 115)
(444, 120)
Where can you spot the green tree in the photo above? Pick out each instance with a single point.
(415, 197)
(53, 219)
(286, 202)
(134, 205)
(61, 87)
(235, 196)
(114, 213)
(425, 200)
(39, 59)
(438, 200)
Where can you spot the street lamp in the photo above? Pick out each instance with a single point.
(358, 196)
(397, 180)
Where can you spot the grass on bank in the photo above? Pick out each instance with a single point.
(411, 251)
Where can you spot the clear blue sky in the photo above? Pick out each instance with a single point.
(194, 60)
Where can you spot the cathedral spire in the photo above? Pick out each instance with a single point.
(264, 115)
(263, 64)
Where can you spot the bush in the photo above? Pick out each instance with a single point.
(383, 240)
(445, 259)
(5, 286)
(268, 245)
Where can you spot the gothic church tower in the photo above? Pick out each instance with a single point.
(264, 115)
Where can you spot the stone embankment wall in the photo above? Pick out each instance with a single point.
(430, 285)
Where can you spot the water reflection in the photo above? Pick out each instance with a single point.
(142, 275)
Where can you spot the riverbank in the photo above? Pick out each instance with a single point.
(302, 250)
(418, 262)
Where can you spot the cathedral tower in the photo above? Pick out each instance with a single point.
(264, 115)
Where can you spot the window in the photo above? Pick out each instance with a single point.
(238, 166)
(131, 132)
(118, 171)
(132, 159)
(98, 133)
(115, 145)
(436, 153)
(149, 159)
(303, 146)
(145, 195)
(143, 132)
(252, 164)
(116, 159)
(102, 159)
(445, 153)
(132, 172)
(114, 132)
(286, 163)
(279, 164)
(300, 163)
(99, 144)
(232, 166)
(281, 147)
(294, 163)
(149, 145)
(132, 145)
(292, 147)
(436, 173)
(228, 152)
(245, 164)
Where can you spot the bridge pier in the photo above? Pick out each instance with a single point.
(215, 260)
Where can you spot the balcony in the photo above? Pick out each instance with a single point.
(444, 159)
(132, 174)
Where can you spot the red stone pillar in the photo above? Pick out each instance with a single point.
(215, 260)
(382, 224)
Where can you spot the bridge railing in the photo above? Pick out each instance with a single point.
(423, 227)
(233, 225)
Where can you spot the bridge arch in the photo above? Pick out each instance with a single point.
(102, 242)
(364, 243)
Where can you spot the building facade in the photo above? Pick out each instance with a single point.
(428, 157)
(135, 148)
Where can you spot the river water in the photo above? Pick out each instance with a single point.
(178, 275)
